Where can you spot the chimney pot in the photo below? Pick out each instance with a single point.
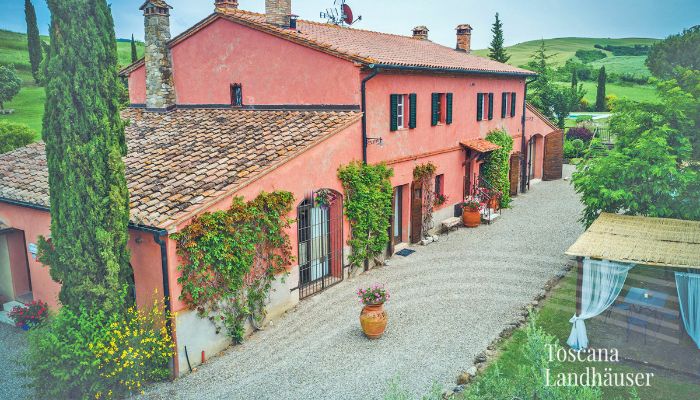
(222, 6)
(278, 12)
(464, 38)
(420, 32)
(160, 89)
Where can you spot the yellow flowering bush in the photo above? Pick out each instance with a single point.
(93, 355)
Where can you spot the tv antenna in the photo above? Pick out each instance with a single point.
(340, 15)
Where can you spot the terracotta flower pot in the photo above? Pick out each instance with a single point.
(471, 218)
(373, 319)
(493, 203)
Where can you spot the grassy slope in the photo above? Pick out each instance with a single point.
(554, 318)
(623, 64)
(563, 49)
(29, 103)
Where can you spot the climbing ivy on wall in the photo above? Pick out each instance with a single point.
(424, 174)
(368, 195)
(232, 257)
(496, 169)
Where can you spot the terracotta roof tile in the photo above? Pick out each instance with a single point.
(188, 157)
(480, 145)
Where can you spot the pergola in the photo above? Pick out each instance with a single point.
(614, 244)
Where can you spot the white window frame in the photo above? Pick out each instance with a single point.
(400, 112)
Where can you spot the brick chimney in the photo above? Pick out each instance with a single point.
(278, 12)
(160, 90)
(464, 38)
(222, 6)
(420, 32)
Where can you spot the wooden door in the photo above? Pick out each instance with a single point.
(416, 212)
(514, 173)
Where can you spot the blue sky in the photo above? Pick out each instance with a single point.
(524, 19)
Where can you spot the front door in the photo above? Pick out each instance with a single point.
(397, 217)
(416, 212)
(7, 291)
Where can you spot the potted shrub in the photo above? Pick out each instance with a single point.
(494, 198)
(471, 212)
(30, 316)
(373, 318)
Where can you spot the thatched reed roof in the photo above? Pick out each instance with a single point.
(662, 242)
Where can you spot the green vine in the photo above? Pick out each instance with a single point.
(496, 169)
(232, 257)
(424, 174)
(368, 197)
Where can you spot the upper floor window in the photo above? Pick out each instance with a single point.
(484, 105)
(236, 95)
(441, 108)
(403, 111)
(508, 104)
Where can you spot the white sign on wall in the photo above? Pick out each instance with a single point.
(33, 249)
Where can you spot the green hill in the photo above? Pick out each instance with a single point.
(563, 49)
(29, 103)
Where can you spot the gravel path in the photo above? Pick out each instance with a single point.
(449, 301)
(13, 344)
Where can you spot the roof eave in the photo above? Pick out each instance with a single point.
(451, 70)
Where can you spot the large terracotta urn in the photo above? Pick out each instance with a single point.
(373, 319)
(471, 217)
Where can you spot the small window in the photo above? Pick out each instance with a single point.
(236, 95)
(442, 108)
(484, 105)
(400, 112)
(439, 184)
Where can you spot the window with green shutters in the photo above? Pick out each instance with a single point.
(394, 103)
(479, 106)
(512, 105)
(490, 106)
(435, 109)
(412, 110)
(504, 104)
(448, 108)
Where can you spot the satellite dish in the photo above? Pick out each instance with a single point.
(347, 15)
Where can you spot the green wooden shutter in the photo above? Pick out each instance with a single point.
(394, 112)
(504, 104)
(490, 106)
(412, 110)
(479, 106)
(512, 105)
(448, 108)
(435, 111)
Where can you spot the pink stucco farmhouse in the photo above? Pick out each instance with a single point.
(245, 102)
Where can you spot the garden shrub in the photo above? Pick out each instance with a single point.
(425, 175)
(90, 354)
(588, 56)
(496, 169)
(575, 148)
(14, 136)
(368, 198)
(579, 132)
(232, 257)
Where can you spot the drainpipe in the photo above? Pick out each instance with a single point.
(158, 238)
(523, 145)
(363, 90)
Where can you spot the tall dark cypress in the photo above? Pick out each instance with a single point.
(496, 51)
(85, 144)
(134, 54)
(33, 39)
(574, 79)
(600, 95)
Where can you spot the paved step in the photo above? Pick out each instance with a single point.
(4, 319)
(7, 307)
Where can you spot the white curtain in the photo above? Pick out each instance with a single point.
(688, 286)
(602, 282)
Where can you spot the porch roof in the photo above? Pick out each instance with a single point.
(661, 242)
(480, 145)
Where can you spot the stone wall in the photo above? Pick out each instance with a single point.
(553, 156)
(160, 89)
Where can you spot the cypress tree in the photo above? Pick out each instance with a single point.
(85, 143)
(600, 95)
(574, 79)
(496, 51)
(134, 54)
(33, 39)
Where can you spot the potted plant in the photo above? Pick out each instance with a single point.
(373, 318)
(471, 212)
(30, 315)
(440, 199)
(494, 198)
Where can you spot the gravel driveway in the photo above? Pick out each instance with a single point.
(13, 344)
(449, 301)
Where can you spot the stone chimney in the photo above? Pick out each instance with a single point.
(222, 6)
(464, 38)
(160, 90)
(420, 32)
(278, 12)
